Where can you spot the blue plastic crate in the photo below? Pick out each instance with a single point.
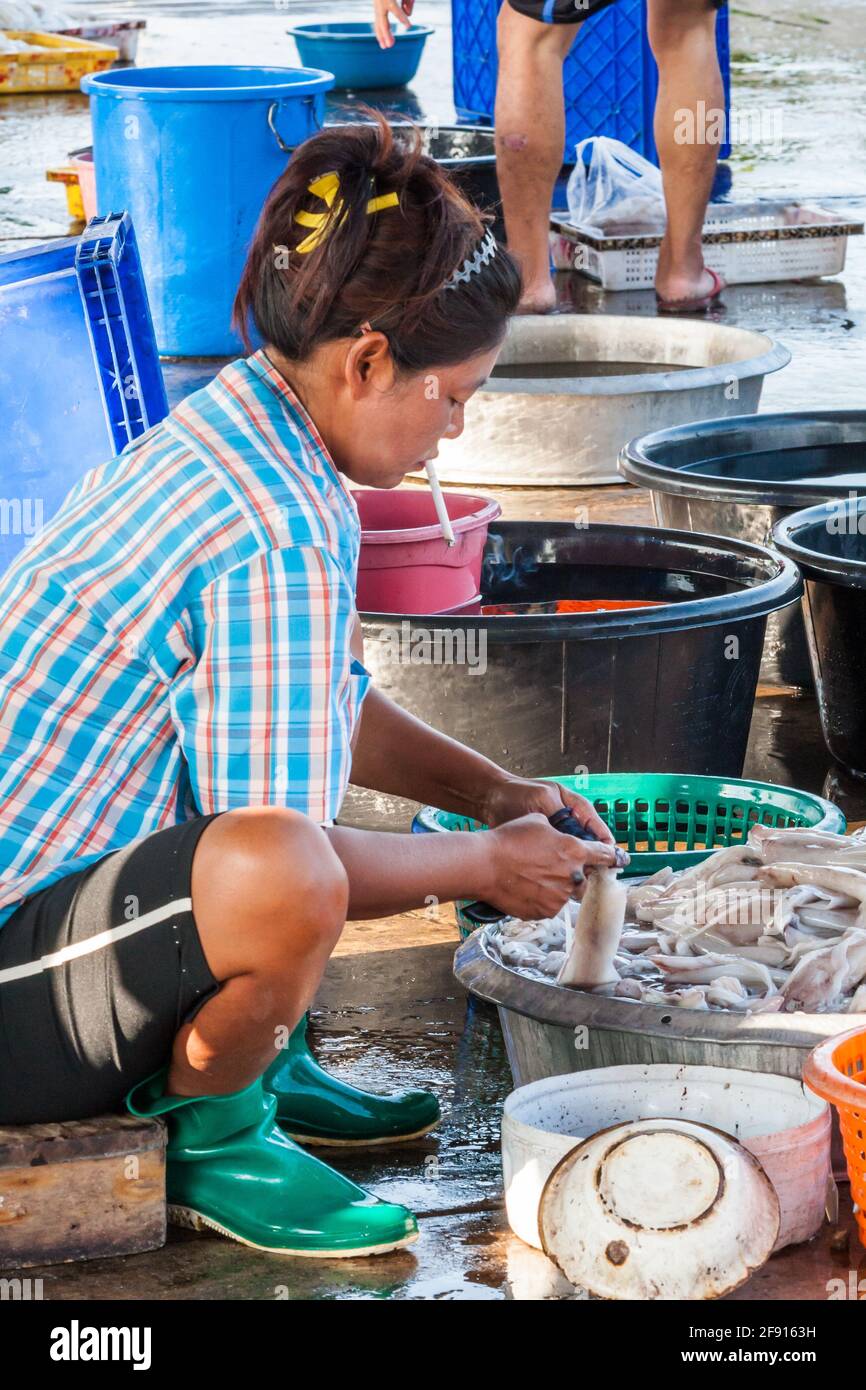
(610, 74)
(79, 371)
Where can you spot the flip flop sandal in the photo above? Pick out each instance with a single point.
(698, 305)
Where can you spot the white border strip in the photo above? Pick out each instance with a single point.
(95, 943)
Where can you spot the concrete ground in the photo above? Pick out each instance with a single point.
(390, 1014)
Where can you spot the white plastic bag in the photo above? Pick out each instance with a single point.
(611, 188)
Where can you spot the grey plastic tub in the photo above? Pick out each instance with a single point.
(739, 477)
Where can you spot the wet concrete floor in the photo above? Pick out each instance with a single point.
(389, 1012)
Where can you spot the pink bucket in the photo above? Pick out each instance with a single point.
(83, 163)
(407, 565)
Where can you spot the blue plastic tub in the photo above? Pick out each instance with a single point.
(79, 371)
(611, 78)
(351, 52)
(191, 153)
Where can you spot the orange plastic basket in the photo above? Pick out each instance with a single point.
(836, 1070)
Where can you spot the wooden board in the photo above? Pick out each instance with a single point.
(81, 1190)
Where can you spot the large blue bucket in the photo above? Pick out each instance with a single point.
(191, 153)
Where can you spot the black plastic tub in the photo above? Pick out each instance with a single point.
(668, 688)
(828, 543)
(739, 476)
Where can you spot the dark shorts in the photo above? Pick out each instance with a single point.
(570, 11)
(97, 973)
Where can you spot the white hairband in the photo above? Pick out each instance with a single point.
(484, 253)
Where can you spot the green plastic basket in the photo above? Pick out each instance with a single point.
(667, 818)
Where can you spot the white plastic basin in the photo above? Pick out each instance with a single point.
(774, 1117)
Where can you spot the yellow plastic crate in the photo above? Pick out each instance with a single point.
(57, 63)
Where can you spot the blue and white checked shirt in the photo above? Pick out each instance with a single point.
(177, 640)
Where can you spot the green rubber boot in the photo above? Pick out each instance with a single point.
(316, 1108)
(231, 1169)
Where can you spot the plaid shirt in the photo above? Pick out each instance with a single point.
(177, 640)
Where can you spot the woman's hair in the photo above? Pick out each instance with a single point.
(387, 269)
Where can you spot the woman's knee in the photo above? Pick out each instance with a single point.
(270, 874)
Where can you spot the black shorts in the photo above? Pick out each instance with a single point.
(97, 974)
(570, 11)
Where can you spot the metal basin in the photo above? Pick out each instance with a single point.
(550, 1030)
(634, 690)
(739, 477)
(563, 430)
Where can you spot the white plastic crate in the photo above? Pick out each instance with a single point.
(746, 243)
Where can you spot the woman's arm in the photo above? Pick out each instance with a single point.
(525, 868)
(400, 754)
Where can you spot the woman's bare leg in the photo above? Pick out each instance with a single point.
(530, 138)
(682, 35)
(269, 897)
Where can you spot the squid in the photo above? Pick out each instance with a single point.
(690, 998)
(846, 883)
(735, 857)
(827, 921)
(705, 969)
(823, 977)
(590, 961)
(629, 989)
(777, 922)
(642, 894)
(809, 847)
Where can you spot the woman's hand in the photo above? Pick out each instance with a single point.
(510, 797)
(381, 10)
(535, 869)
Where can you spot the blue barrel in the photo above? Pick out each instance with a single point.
(191, 153)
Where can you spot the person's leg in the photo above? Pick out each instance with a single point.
(530, 138)
(682, 35)
(175, 967)
(269, 898)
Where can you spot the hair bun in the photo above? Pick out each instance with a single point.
(322, 261)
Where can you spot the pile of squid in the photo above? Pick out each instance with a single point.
(776, 923)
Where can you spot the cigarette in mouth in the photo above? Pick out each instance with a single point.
(439, 503)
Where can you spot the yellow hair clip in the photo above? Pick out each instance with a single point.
(327, 187)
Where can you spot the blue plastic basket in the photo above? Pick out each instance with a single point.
(351, 52)
(79, 371)
(610, 74)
